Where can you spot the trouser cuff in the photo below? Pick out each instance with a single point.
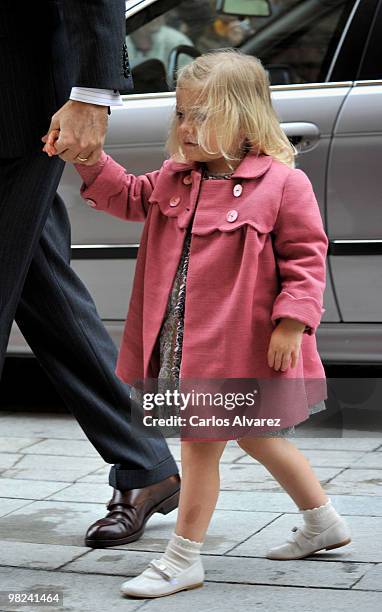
(123, 479)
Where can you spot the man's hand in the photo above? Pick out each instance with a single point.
(285, 344)
(77, 132)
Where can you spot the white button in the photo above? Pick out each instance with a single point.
(187, 179)
(91, 203)
(237, 190)
(232, 215)
(174, 201)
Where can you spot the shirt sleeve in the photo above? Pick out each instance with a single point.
(91, 95)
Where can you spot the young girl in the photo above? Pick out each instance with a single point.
(229, 285)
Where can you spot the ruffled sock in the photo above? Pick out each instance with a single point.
(316, 520)
(180, 552)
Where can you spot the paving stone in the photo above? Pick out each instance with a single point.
(347, 442)
(375, 434)
(225, 531)
(46, 425)
(293, 573)
(112, 562)
(85, 492)
(230, 569)
(52, 467)
(322, 458)
(369, 460)
(241, 598)
(82, 593)
(71, 448)
(256, 477)
(173, 441)
(367, 482)
(9, 505)
(7, 460)
(38, 556)
(365, 545)
(358, 505)
(271, 501)
(29, 489)
(49, 522)
(230, 453)
(372, 581)
(14, 445)
(100, 476)
(176, 442)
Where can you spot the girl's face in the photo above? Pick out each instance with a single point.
(187, 122)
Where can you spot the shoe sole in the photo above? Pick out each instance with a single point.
(164, 507)
(189, 588)
(343, 543)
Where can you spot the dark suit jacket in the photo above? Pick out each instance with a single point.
(47, 47)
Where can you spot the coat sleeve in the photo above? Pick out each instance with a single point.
(96, 32)
(107, 186)
(300, 245)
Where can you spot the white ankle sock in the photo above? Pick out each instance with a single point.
(318, 519)
(180, 552)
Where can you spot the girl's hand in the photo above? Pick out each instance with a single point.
(285, 343)
(49, 140)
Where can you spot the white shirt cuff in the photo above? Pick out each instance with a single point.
(104, 97)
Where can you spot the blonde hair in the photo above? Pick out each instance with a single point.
(234, 99)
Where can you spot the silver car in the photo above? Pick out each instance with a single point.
(325, 66)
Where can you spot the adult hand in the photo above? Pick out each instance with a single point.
(285, 343)
(77, 132)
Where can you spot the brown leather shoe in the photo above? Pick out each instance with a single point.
(130, 510)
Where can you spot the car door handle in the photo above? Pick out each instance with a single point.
(303, 135)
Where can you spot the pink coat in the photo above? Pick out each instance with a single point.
(258, 254)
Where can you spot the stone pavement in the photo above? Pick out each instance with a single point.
(53, 485)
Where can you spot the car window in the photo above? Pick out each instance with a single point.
(371, 68)
(303, 42)
(296, 43)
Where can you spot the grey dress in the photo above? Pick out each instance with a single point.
(171, 334)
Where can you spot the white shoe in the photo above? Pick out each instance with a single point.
(158, 580)
(298, 545)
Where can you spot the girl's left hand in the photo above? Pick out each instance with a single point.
(49, 140)
(285, 344)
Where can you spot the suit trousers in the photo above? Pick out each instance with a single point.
(59, 320)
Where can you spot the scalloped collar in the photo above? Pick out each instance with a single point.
(251, 166)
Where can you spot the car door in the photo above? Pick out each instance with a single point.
(354, 205)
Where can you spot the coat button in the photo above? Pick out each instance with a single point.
(232, 215)
(174, 201)
(91, 203)
(187, 179)
(237, 190)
